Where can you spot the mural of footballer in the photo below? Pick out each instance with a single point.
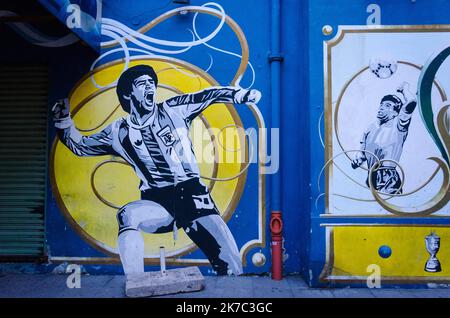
(154, 140)
(386, 138)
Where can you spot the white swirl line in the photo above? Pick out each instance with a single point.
(125, 50)
(132, 39)
(221, 50)
(320, 130)
(106, 21)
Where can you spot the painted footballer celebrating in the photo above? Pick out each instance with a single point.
(385, 139)
(154, 139)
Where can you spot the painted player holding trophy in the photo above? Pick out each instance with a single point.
(386, 138)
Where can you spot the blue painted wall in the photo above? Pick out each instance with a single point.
(302, 155)
(295, 142)
(63, 241)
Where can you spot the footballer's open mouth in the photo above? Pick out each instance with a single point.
(149, 98)
(381, 115)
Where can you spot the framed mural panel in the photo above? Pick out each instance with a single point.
(386, 151)
(387, 138)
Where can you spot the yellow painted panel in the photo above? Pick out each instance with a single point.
(356, 247)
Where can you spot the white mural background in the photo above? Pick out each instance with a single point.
(348, 193)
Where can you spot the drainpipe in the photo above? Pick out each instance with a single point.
(275, 59)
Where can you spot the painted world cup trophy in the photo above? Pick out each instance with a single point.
(432, 243)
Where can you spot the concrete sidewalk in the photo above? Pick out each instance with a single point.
(108, 286)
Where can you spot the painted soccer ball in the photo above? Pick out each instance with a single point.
(383, 68)
(385, 251)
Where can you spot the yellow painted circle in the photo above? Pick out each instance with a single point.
(117, 183)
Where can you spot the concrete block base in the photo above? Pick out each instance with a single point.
(180, 280)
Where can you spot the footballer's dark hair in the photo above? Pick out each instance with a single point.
(395, 99)
(125, 82)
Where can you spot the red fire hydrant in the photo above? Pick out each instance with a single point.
(276, 228)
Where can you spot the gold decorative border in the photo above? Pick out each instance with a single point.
(262, 143)
(326, 274)
(328, 109)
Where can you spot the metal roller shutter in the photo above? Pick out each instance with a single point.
(23, 160)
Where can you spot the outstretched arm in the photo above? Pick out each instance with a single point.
(406, 111)
(360, 156)
(193, 104)
(93, 145)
